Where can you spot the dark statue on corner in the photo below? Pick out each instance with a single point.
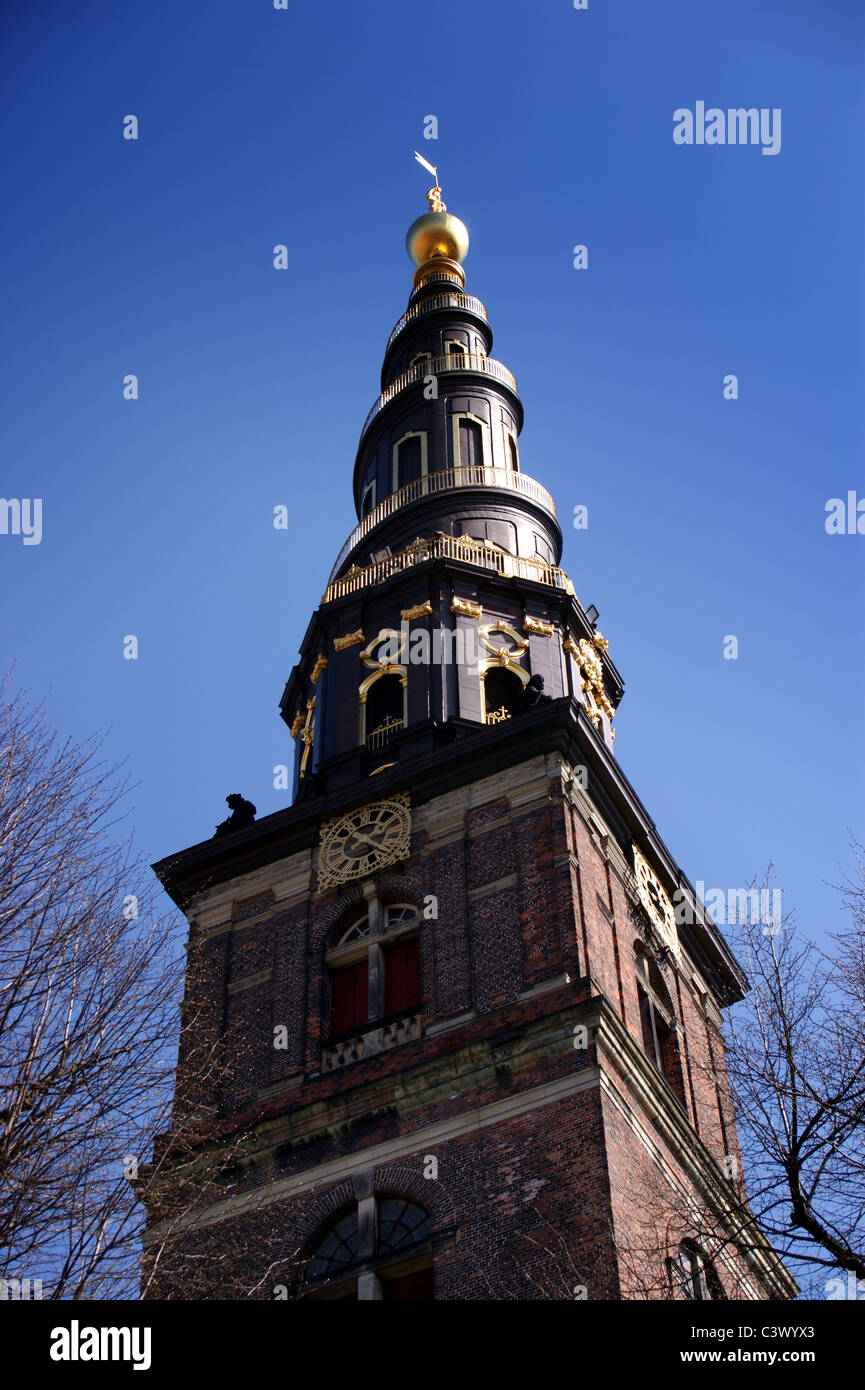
(533, 695)
(242, 814)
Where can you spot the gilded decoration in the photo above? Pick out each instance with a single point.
(388, 664)
(538, 627)
(420, 610)
(364, 840)
(502, 655)
(465, 548)
(307, 735)
(655, 901)
(592, 677)
(349, 640)
(396, 643)
(468, 610)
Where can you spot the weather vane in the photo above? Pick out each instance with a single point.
(435, 194)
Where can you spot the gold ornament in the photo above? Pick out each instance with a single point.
(538, 626)
(307, 736)
(592, 673)
(656, 901)
(349, 640)
(437, 233)
(356, 844)
(420, 610)
(469, 610)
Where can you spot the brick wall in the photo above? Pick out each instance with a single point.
(536, 924)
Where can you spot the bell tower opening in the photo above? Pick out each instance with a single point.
(503, 691)
(385, 710)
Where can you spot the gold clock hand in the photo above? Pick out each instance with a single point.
(366, 840)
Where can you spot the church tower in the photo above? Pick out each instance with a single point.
(452, 1026)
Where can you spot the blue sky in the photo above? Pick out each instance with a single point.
(706, 516)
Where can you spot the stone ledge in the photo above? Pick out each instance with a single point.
(448, 1023)
(545, 986)
(498, 885)
(250, 981)
(275, 1088)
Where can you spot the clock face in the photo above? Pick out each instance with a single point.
(655, 901)
(364, 840)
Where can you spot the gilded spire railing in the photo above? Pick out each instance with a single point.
(445, 480)
(464, 548)
(436, 366)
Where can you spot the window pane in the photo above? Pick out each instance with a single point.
(403, 912)
(400, 1224)
(356, 931)
(338, 1250)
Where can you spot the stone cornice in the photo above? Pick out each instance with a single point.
(560, 727)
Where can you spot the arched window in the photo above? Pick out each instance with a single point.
(375, 972)
(513, 456)
(380, 1249)
(382, 694)
(395, 917)
(385, 711)
(692, 1274)
(470, 443)
(409, 459)
(400, 1225)
(503, 691)
(543, 549)
(367, 501)
(503, 679)
(338, 1250)
(656, 1015)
